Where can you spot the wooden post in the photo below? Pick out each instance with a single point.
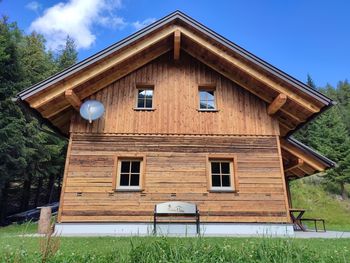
(177, 40)
(44, 226)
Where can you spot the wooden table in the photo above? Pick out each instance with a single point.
(296, 216)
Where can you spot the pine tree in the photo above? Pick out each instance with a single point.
(330, 137)
(68, 55)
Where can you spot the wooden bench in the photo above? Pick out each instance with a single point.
(180, 210)
(315, 222)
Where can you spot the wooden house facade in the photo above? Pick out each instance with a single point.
(189, 116)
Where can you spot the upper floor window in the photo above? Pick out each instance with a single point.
(207, 99)
(145, 98)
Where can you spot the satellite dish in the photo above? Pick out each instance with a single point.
(91, 110)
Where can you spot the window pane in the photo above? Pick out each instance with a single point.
(125, 167)
(135, 178)
(148, 103)
(140, 103)
(210, 104)
(225, 168)
(202, 95)
(202, 105)
(149, 93)
(142, 94)
(135, 167)
(215, 167)
(210, 95)
(225, 180)
(215, 180)
(124, 180)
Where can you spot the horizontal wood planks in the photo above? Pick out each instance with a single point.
(175, 170)
(176, 103)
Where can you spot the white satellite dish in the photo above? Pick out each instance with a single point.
(91, 110)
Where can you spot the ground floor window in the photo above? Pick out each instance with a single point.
(221, 174)
(129, 174)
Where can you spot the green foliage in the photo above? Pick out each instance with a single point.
(29, 155)
(68, 55)
(330, 133)
(310, 194)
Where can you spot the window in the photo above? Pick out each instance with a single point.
(144, 98)
(207, 99)
(221, 174)
(129, 174)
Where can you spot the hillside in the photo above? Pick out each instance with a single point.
(319, 203)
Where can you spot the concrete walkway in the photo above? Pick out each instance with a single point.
(328, 234)
(297, 234)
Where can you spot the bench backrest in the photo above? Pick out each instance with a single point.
(175, 207)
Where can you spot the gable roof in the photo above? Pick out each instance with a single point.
(49, 101)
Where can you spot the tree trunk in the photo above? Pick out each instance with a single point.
(51, 189)
(26, 193)
(343, 192)
(38, 190)
(59, 188)
(3, 202)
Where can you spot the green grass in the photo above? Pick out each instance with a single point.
(15, 248)
(320, 204)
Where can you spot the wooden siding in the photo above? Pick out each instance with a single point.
(175, 170)
(176, 103)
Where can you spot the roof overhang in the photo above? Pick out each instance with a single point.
(292, 102)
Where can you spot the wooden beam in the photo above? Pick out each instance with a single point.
(114, 76)
(236, 80)
(91, 72)
(73, 99)
(277, 104)
(299, 163)
(250, 71)
(177, 44)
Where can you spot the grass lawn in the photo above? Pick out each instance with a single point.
(14, 248)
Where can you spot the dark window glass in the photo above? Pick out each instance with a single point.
(124, 180)
(215, 167)
(215, 179)
(220, 173)
(149, 103)
(134, 181)
(225, 180)
(135, 167)
(125, 167)
(225, 168)
(140, 103)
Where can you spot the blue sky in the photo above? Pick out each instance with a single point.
(298, 37)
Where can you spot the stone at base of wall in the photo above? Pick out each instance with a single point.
(174, 229)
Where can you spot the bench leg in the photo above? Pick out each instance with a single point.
(154, 225)
(316, 226)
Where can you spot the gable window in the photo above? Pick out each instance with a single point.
(221, 174)
(144, 98)
(129, 174)
(207, 99)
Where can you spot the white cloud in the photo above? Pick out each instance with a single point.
(138, 25)
(76, 18)
(34, 6)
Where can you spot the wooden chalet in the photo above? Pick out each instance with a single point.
(189, 116)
